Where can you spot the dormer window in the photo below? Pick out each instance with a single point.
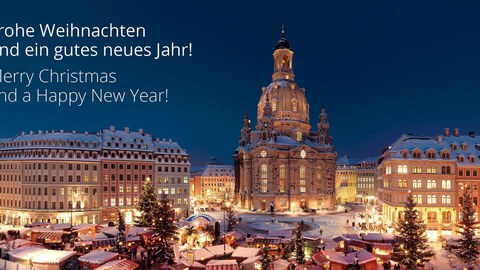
(431, 154)
(471, 159)
(416, 154)
(464, 146)
(445, 155)
(454, 146)
(461, 159)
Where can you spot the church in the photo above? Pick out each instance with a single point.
(280, 162)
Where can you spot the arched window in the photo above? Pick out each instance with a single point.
(274, 106)
(264, 178)
(446, 184)
(282, 178)
(431, 184)
(294, 105)
(303, 187)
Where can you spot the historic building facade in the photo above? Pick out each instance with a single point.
(70, 177)
(214, 182)
(367, 181)
(345, 180)
(437, 171)
(281, 160)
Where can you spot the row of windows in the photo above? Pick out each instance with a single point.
(53, 205)
(53, 142)
(172, 180)
(172, 191)
(121, 177)
(47, 153)
(430, 154)
(83, 191)
(432, 199)
(417, 169)
(53, 166)
(61, 178)
(121, 189)
(10, 177)
(417, 183)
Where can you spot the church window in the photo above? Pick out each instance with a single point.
(285, 62)
(274, 106)
(282, 178)
(302, 179)
(263, 153)
(264, 179)
(294, 105)
(303, 154)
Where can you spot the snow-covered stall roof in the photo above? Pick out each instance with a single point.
(200, 254)
(220, 249)
(61, 226)
(134, 231)
(119, 265)
(98, 257)
(25, 253)
(244, 252)
(53, 256)
(109, 230)
(363, 256)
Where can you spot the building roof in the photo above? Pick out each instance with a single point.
(119, 265)
(451, 143)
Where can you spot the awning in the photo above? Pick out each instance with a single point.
(51, 237)
(383, 246)
(222, 265)
(103, 242)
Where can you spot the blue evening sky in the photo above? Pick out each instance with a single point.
(382, 68)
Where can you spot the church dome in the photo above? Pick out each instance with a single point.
(289, 105)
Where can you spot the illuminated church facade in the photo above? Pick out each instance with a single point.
(281, 160)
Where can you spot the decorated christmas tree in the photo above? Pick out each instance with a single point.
(467, 249)
(164, 232)
(232, 220)
(120, 239)
(147, 205)
(299, 253)
(410, 247)
(265, 259)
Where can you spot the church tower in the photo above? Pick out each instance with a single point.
(282, 161)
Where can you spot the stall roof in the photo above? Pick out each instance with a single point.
(26, 252)
(98, 257)
(220, 249)
(251, 260)
(244, 252)
(52, 236)
(383, 246)
(363, 256)
(119, 265)
(61, 226)
(53, 256)
(200, 254)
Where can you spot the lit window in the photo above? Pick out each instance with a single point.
(417, 183)
(431, 184)
(431, 199)
(112, 202)
(402, 184)
(264, 179)
(417, 169)
(302, 179)
(294, 106)
(299, 136)
(446, 199)
(402, 168)
(282, 178)
(388, 170)
(446, 184)
(431, 169)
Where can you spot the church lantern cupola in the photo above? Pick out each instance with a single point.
(283, 60)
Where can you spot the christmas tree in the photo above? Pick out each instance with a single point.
(299, 253)
(164, 232)
(120, 239)
(147, 205)
(467, 249)
(231, 219)
(410, 247)
(265, 259)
